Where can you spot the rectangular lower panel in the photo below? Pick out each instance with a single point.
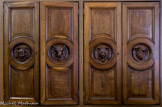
(103, 84)
(139, 82)
(59, 84)
(22, 83)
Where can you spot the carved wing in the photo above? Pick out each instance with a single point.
(65, 52)
(109, 53)
(53, 51)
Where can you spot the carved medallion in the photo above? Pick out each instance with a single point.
(59, 52)
(102, 54)
(21, 53)
(141, 53)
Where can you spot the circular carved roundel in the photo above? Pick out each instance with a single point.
(21, 53)
(102, 54)
(58, 52)
(141, 53)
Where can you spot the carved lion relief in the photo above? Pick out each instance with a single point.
(141, 53)
(59, 52)
(102, 54)
(22, 53)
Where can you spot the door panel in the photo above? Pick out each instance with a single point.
(21, 50)
(102, 53)
(141, 53)
(59, 53)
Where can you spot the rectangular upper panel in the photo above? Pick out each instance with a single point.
(102, 53)
(60, 21)
(22, 22)
(103, 22)
(141, 21)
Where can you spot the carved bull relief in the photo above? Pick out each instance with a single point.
(59, 52)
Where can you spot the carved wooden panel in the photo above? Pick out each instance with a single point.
(141, 53)
(59, 53)
(102, 53)
(21, 51)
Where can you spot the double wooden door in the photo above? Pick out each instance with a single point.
(50, 59)
(121, 52)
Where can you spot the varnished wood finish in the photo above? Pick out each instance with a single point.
(21, 50)
(80, 53)
(141, 53)
(102, 53)
(59, 71)
(1, 53)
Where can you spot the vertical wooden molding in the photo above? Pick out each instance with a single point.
(161, 53)
(81, 49)
(1, 51)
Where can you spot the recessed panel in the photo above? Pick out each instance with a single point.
(102, 22)
(22, 22)
(141, 22)
(103, 84)
(59, 84)
(139, 82)
(22, 83)
(60, 22)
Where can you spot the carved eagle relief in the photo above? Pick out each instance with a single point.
(141, 53)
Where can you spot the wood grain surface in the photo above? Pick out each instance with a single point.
(81, 50)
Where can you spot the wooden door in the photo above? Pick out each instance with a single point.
(102, 53)
(141, 53)
(21, 51)
(59, 53)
